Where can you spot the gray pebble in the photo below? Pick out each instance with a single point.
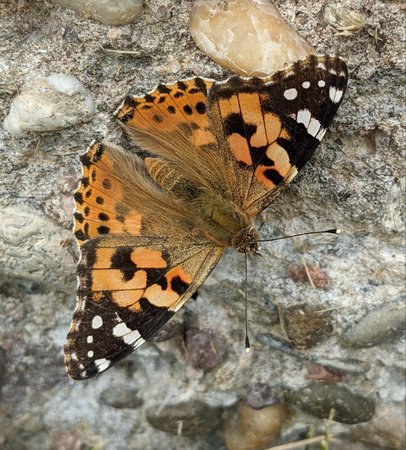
(320, 397)
(121, 397)
(380, 325)
(186, 418)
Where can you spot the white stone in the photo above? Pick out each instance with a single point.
(48, 104)
(247, 36)
(97, 322)
(109, 12)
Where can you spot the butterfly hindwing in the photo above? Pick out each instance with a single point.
(128, 288)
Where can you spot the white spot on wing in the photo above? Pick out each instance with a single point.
(321, 83)
(74, 356)
(303, 116)
(335, 94)
(290, 94)
(90, 354)
(102, 364)
(321, 65)
(321, 133)
(89, 339)
(306, 84)
(97, 322)
(314, 127)
(130, 337)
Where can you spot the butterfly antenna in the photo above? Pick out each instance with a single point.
(247, 339)
(332, 231)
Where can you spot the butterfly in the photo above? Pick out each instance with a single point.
(152, 225)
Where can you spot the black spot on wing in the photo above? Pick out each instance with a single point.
(234, 123)
(178, 285)
(122, 261)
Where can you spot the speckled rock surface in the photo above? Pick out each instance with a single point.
(355, 181)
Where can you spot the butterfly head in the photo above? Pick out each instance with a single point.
(246, 241)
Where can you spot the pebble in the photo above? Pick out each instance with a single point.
(188, 418)
(121, 397)
(320, 397)
(203, 350)
(318, 372)
(249, 37)
(253, 429)
(383, 324)
(48, 104)
(344, 366)
(109, 12)
(319, 278)
(261, 395)
(386, 429)
(306, 325)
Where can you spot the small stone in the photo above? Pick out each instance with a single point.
(320, 397)
(48, 104)
(253, 429)
(249, 37)
(386, 429)
(188, 418)
(318, 372)
(306, 325)
(109, 12)
(121, 397)
(261, 395)
(203, 350)
(319, 278)
(382, 324)
(345, 366)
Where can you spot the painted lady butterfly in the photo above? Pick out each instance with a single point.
(152, 226)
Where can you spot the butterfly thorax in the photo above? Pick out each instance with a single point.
(221, 221)
(213, 213)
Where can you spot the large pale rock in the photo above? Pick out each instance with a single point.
(48, 104)
(249, 37)
(31, 247)
(109, 12)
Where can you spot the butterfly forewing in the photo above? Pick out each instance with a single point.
(272, 127)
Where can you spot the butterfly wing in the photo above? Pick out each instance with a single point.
(244, 138)
(135, 273)
(273, 126)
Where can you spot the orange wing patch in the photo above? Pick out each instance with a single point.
(176, 108)
(99, 199)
